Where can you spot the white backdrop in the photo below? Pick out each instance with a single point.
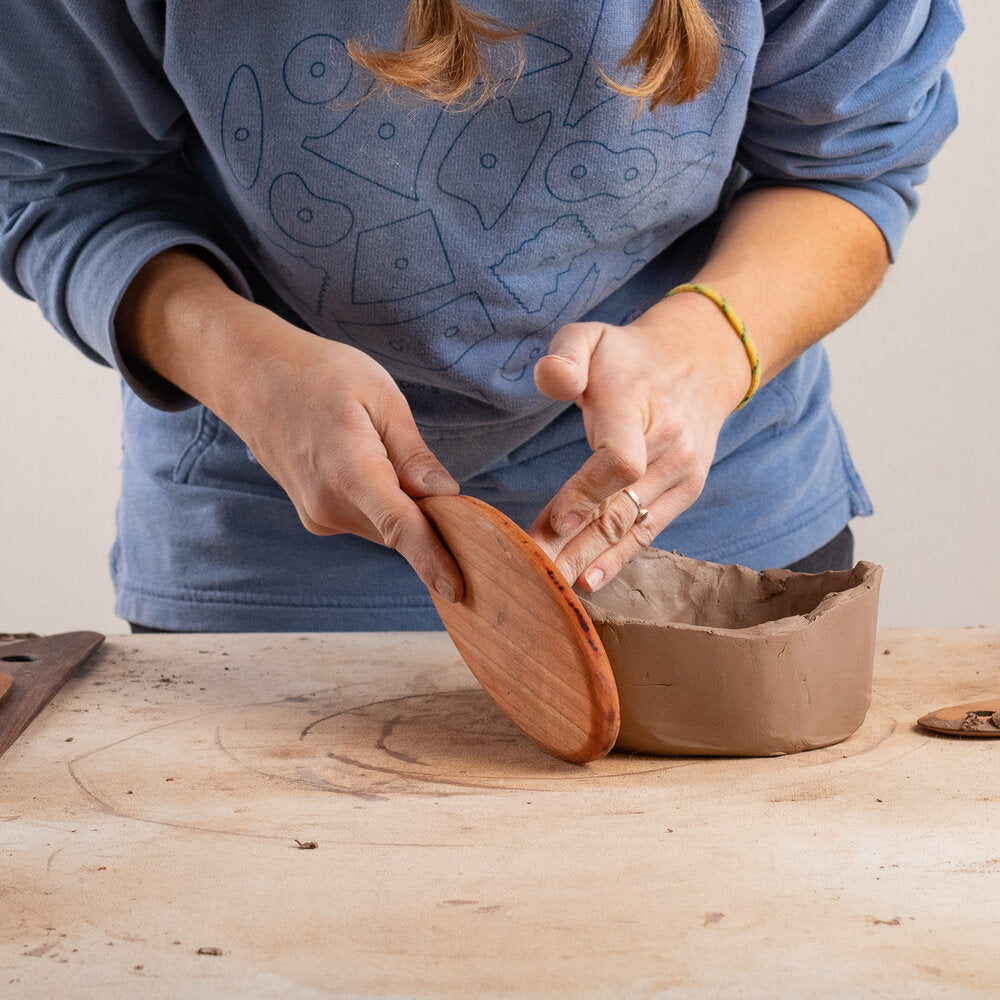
(916, 378)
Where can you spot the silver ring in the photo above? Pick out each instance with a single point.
(643, 513)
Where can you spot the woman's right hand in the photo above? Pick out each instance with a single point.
(325, 420)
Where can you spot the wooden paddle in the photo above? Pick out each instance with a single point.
(976, 718)
(523, 634)
(38, 669)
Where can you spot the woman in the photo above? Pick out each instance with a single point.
(481, 221)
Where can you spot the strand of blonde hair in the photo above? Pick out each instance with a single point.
(676, 53)
(441, 56)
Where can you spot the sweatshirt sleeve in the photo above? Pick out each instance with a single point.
(93, 182)
(853, 99)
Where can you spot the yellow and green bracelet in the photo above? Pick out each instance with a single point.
(737, 324)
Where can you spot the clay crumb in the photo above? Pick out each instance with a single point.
(209, 951)
(712, 918)
(306, 845)
(980, 722)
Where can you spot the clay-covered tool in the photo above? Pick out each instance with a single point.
(37, 669)
(523, 633)
(976, 718)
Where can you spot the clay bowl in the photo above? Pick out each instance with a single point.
(724, 661)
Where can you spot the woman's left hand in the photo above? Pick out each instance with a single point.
(654, 395)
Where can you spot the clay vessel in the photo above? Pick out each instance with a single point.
(724, 661)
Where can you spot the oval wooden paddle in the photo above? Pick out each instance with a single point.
(977, 718)
(523, 634)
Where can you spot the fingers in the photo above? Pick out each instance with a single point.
(618, 460)
(398, 519)
(564, 372)
(592, 562)
(401, 525)
(368, 502)
(419, 472)
(595, 556)
(652, 424)
(614, 420)
(380, 464)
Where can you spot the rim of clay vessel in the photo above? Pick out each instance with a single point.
(665, 589)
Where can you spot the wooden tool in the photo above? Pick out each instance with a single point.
(977, 718)
(5, 682)
(523, 634)
(37, 669)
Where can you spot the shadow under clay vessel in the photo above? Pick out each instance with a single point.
(724, 661)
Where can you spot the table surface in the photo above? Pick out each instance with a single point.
(164, 804)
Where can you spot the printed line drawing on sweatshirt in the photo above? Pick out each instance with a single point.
(616, 271)
(689, 119)
(317, 70)
(400, 259)
(586, 169)
(527, 272)
(541, 54)
(660, 200)
(639, 243)
(533, 94)
(243, 126)
(433, 341)
(304, 216)
(591, 90)
(631, 265)
(489, 159)
(534, 344)
(381, 143)
(308, 286)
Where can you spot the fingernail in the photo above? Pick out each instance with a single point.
(438, 479)
(445, 589)
(559, 357)
(568, 524)
(593, 578)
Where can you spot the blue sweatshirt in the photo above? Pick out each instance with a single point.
(450, 246)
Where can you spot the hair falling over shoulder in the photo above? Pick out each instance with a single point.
(442, 57)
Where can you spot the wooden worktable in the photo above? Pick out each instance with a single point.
(155, 809)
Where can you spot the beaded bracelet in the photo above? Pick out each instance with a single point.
(737, 324)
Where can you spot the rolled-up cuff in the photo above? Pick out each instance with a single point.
(103, 272)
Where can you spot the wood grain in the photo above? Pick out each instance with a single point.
(523, 633)
(38, 668)
(5, 682)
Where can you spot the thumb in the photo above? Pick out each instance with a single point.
(565, 371)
